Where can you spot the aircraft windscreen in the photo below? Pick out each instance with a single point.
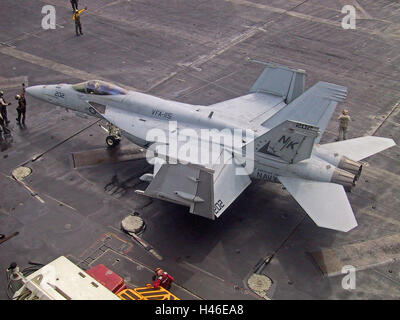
(99, 88)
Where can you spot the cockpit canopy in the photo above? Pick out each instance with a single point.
(99, 87)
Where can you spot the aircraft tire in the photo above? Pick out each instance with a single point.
(111, 141)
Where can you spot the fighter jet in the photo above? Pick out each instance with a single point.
(271, 133)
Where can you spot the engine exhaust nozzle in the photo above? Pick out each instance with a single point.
(346, 179)
(351, 166)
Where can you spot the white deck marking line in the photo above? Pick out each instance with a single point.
(32, 192)
(8, 83)
(365, 14)
(60, 202)
(202, 270)
(139, 22)
(308, 17)
(55, 66)
(372, 131)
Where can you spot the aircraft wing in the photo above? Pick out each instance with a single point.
(228, 184)
(251, 107)
(325, 203)
(274, 88)
(207, 192)
(187, 185)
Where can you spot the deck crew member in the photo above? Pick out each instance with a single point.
(3, 105)
(21, 109)
(74, 4)
(162, 279)
(77, 18)
(3, 126)
(344, 121)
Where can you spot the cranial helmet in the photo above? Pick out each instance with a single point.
(158, 270)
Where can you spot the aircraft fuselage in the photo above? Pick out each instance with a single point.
(266, 167)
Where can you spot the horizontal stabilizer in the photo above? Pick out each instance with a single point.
(325, 203)
(359, 148)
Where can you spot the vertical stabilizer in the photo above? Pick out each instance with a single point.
(281, 81)
(291, 141)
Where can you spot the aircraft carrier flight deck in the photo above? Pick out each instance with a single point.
(76, 192)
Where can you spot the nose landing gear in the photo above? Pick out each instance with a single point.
(114, 135)
(112, 141)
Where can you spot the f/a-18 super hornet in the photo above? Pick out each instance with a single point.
(275, 128)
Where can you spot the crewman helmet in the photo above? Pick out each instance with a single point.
(159, 271)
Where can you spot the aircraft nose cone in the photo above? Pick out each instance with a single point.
(35, 91)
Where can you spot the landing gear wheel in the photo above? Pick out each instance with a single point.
(111, 141)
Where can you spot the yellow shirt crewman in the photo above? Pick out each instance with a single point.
(77, 18)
